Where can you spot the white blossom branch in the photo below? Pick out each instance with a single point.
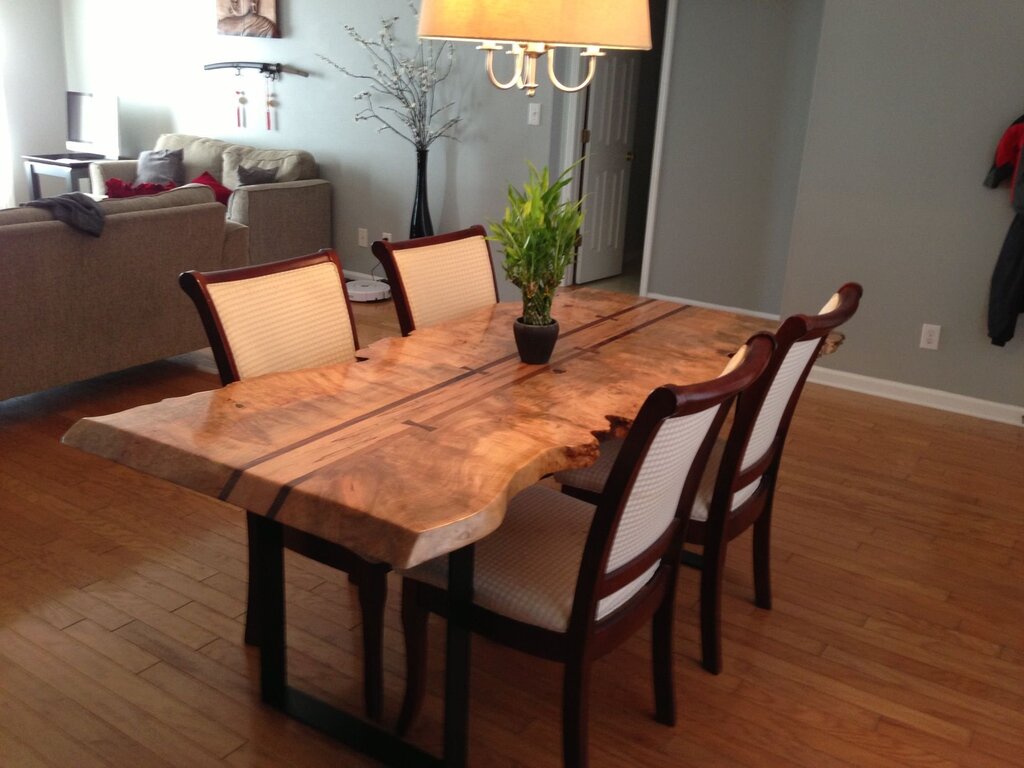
(409, 80)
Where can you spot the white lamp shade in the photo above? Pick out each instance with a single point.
(602, 23)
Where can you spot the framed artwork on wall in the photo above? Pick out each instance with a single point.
(247, 18)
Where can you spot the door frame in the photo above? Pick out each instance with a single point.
(572, 117)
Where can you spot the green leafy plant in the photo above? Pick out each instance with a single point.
(538, 235)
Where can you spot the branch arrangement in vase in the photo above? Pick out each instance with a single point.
(401, 89)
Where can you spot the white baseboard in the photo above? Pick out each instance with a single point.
(910, 393)
(891, 390)
(351, 274)
(706, 305)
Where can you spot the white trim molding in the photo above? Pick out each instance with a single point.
(890, 390)
(351, 274)
(911, 393)
(706, 305)
(659, 146)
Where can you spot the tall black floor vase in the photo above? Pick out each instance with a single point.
(420, 225)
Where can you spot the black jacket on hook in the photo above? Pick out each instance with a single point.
(1006, 293)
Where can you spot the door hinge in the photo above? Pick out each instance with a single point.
(585, 136)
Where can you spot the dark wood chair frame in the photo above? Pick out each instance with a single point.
(194, 284)
(384, 250)
(724, 523)
(587, 639)
(370, 578)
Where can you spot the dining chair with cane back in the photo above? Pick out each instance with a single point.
(738, 489)
(569, 581)
(283, 316)
(438, 278)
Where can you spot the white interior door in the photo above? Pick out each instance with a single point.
(611, 118)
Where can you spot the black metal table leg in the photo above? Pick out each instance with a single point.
(456, 695)
(267, 549)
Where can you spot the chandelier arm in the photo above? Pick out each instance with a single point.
(589, 53)
(517, 78)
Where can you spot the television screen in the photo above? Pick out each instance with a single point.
(93, 123)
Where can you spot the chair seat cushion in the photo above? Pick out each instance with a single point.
(593, 478)
(528, 568)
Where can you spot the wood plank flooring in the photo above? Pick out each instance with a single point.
(897, 636)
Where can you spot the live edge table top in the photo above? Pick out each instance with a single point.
(415, 451)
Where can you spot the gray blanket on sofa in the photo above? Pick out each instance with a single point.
(76, 209)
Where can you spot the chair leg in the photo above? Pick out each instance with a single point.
(414, 626)
(575, 710)
(762, 560)
(711, 608)
(251, 603)
(661, 656)
(373, 594)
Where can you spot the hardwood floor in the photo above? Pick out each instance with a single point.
(897, 636)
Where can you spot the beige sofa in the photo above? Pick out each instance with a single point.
(289, 217)
(73, 306)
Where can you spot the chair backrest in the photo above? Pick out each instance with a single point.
(278, 316)
(641, 517)
(438, 278)
(764, 412)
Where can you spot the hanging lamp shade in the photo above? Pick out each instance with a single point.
(583, 23)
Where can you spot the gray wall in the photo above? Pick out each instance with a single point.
(737, 110)
(34, 83)
(910, 99)
(373, 174)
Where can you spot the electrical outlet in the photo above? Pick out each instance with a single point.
(385, 235)
(533, 114)
(364, 238)
(930, 336)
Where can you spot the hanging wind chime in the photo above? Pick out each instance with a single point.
(240, 118)
(269, 98)
(270, 72)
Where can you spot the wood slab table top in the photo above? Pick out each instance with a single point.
(414, 451)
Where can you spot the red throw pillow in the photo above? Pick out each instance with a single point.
(220, 192)
(119, 188)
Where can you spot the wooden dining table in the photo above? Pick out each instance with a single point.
(413, 452)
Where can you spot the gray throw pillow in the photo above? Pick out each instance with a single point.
(161, 166)
(256, 175)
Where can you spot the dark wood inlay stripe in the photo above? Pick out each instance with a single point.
(236, 474)
(537, 371)
(412, 423)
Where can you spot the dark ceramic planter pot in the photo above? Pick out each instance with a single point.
(535, 342)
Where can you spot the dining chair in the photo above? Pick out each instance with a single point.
(282, 316)
(569, 581)
(438, 278)
(738, 489)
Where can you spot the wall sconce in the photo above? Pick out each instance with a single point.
(534, 29)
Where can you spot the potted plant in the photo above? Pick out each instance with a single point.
(538, 235)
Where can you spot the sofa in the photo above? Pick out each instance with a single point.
(73, 306)
(289, 217)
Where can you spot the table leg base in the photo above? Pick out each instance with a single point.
(362, 736)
